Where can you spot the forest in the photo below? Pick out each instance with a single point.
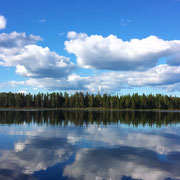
(81, 100)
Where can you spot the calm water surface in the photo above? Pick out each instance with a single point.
(48, 145)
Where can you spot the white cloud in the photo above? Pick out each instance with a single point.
(73, 83)
(174, 60)
(112, 53)
(19, 50)
(16, 40)
(2, 22)
(11, 84)
(74, 35)
(42, 20)
(172, 87)
(162, 76)
(125, 22)
(61, 34)
(47, 69)
(23, 92)
(35, 61)
(157, 76)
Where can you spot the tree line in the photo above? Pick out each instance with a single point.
(81, 100)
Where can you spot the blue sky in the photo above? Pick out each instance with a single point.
(117, 46)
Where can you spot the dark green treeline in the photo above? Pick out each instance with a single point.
(85, 118)
(80, 100)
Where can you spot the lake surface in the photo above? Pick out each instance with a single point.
(89, 145)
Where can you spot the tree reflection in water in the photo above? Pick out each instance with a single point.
(80, 118)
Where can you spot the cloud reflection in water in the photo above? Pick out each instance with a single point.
(101, 152)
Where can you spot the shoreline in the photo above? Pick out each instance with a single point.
(88, 109)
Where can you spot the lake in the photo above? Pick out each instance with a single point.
(89, 145)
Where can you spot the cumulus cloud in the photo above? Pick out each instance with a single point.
(2, 22)
(73, 83)
(51, 71)
(35, 61)
(157, 76)
(19, 50)
(174, 60)
(172, 87)
(11, 84)
(16, 40)
(162, 76)
(112, 53)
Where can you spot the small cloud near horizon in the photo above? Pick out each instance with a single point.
(3, 22)
(125, 22)
(61, 34)
(42, 20)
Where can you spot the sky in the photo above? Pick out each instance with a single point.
(105, 46)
